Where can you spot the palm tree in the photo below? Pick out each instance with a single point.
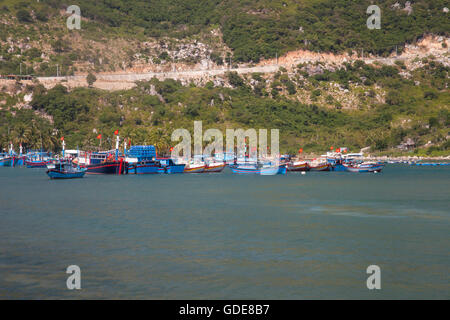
(160, 139)
(19, 134)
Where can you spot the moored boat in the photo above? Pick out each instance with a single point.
(364, 167)
(170, 166)
(146, 167)
(66, 171)
(101, 162)
(195, 167)
(106, 167)
(38, 160)
(258, 169)
(214, 166)
(7, 161)
(319, 166)
(296, 166)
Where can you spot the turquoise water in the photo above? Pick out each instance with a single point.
(222, 236)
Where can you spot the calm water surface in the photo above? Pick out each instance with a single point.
(222, 236)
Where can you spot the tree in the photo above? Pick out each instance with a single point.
(234, 79)
(90, 79)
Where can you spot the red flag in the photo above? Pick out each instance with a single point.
(99, 136)
(338, 150)
(171, 149)
(116, 132)
(62, 138)
(300, 151)
(331, 148)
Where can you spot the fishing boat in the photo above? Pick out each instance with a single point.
(146, 167)
(104, 162)
(214, 166)
(195, 167)
(270, 169)
(7, 161)
(20, 161)
(108, 166)
(2, 156)
(364, 167)
(296, 166)
(38, 160)
(319, 165)
(267, 169)
(170, 166)
(65, 170)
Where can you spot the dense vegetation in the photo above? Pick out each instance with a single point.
(413, 110)
(252, 29)
(415, 106)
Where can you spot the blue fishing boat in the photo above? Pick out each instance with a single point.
(8, 159)
(66, 171)
(146, 167)
(20, 161)
(170, 166)
(38, 160)
(7, 162)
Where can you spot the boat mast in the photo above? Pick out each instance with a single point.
(117, 147)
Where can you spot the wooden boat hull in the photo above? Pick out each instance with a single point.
(297, 167)
(194, 170)
(321, 167)
(214, 168)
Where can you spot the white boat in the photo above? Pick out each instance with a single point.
(364, 167)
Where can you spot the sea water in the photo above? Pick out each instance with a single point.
(226, 236)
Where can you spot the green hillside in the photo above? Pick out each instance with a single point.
(420, 112)
(354, 104)
(252, 29)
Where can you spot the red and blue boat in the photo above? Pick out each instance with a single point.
(38, 160)
(101, 163)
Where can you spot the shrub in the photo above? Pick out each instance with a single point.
(24, 16)
(90, 79)
(234, 79)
